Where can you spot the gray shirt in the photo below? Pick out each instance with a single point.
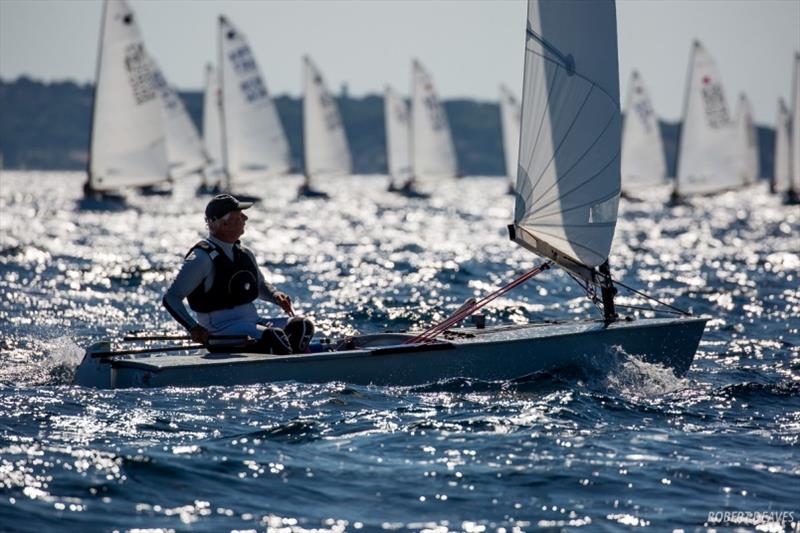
(199, 268)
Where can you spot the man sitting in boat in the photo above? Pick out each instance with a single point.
(221, 280)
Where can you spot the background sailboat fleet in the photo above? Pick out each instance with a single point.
(142, 135)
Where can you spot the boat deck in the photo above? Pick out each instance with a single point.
(386, 344)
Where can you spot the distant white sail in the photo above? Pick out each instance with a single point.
(128, 146)
(643, 164)
(433, 154)
(568, 184)
(795, 137)
(253, 136)
(748, 142)
(709, 152)
(326, 150)
(184, 149)
(212, 137)
(510, 120)
(783, 156)
(396, 117)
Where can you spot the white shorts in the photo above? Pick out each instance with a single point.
(240, 320)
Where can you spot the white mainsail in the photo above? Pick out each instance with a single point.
(396, 117)
(212, 135)
(795, 136)
(568, 184)
(709, 152)
(184, 149)
(433, 153)
(783, 157)
(253, 139)
(748, 142)
(643, 164)
(510, 120)
(325, 142)
(128, 145)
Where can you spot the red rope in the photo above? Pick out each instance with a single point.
(431, 333)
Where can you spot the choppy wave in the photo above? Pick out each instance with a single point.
(621, 444)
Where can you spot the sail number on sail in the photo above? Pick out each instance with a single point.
(714, 103)
(140, 75)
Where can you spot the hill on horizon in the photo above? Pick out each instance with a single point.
(45, 126)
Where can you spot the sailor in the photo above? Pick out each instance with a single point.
(220, 278)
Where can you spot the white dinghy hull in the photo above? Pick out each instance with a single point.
(492, 354)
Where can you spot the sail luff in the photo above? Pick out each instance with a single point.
(223, 123)
(212, 135)
(88, 188)
(781, 179)
(568, 183)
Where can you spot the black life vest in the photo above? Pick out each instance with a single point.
(235, 282)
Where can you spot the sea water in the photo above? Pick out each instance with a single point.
(625, 444)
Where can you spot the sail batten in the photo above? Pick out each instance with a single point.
(568, 180)
(128, 142)
(325, 142)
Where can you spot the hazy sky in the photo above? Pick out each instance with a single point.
(469, 46)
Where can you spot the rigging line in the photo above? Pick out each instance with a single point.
(541, 125)
(590, 293)
(643, 295)
(566, 134)
(451, 321)
(437, 329)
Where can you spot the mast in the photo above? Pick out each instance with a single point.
(607, 293)
(220, 102)
(675, 196)
(88, 190)
(306, 118)
(411, 114)
(568, 184)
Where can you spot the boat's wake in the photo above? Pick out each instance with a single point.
(632, 377)
(49, 362)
